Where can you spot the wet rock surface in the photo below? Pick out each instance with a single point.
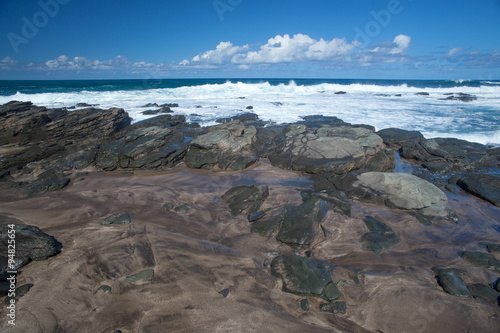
(451, 281)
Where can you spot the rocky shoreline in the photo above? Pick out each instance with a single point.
(322, 235)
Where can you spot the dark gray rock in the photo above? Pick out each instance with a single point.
(303, 276)
(423, 93)
(484, 186)
(244, 117)
(453, 154)
(31, 242)
(485, 292)
(304, 304)
(245, 198)
(335, 307)
(481, 259)
(20, 292)
(224, 292)
(459, 97)
(395, 137)
(451, 281)
(299, 223)
(117, 218)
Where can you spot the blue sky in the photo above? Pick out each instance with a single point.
(401, 39)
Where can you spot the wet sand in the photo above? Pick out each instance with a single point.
(196, 254)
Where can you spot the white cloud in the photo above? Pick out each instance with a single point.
(402, 42)
(295, 49)
(222, 54)
(454, 51)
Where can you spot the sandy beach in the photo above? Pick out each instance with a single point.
(200, 252)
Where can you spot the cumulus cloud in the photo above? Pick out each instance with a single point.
(223, 53)
(300, 48)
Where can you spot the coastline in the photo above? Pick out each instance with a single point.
(202, 249)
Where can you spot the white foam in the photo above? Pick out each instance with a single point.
(477, 121)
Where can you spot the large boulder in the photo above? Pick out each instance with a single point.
(335, 148)
(451, 281)
(399, 190)
(226, 146)
(395, 137)
(484, 186)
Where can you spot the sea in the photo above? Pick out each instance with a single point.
(419, 105)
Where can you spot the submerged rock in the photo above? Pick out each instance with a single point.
(380, 236)
(486, 187)
(143, 275)
(335, 307)
(117, 218)
(304, 276)
(451, 281)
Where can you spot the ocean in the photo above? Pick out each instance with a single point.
(380, 103)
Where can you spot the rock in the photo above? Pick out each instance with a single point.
(299, 223)
(485, 292)
(20, 292)
(150, 105)
(303, 276)
(104, 288)
(336, 307)
(323, 145)
(453, 154)
(380, 236)
(459, 97)
(143, 275)
(168, 206)
(46, 185)
(163, 121)
(484, 186)
(255, 216)
(117, 218)
(143, 148)
(451, 281)
(224, 292)
(243, 118)
(249, 107)
(245, 198)
(399, 190)
(31, 242)
(485, 260)
(494, 152)
(150, 112)
(395, 137)
(422, 93)
(226, 146)
(340, 92)
(182, 208)
(304, 304)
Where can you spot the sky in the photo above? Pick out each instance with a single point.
(358, 39)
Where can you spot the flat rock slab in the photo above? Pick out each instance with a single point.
(143, 275)
(303, 276)
(245, 198)
(486, 187)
